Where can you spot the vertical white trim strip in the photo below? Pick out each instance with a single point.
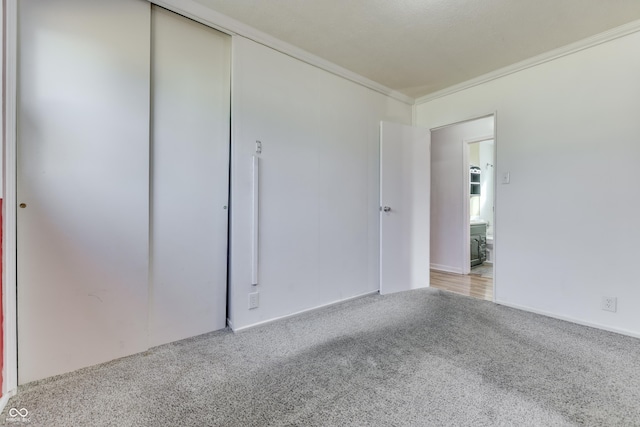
(495, 202)
(466, 209)
(10, 366)
(255, 216)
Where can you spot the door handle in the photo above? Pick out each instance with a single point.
(386, 209)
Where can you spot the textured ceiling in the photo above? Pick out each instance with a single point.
(420, 46)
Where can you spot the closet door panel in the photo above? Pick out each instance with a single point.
(190, 173)
(83, 183)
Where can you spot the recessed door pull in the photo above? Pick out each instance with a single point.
(386, 209)
(23, 205)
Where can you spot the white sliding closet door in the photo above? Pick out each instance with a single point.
(190, 177)
(83, 183)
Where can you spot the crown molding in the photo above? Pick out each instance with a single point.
(225, 24)
(569, 49)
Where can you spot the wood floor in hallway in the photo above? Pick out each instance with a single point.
(472, 285)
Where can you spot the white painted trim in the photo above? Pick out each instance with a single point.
(200, 13)
(480, 138)
(446, 269)
(220, 22)
(264, 322)
(466, 210)
(570, 319)
(459, 122)
(495, 199)
(10, 365)
(612, 34)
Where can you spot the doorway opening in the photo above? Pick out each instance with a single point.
(463, 225)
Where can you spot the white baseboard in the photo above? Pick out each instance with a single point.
(253, 325)
(570, 319)
(446, 268)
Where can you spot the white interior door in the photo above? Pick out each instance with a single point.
(82, 183)
(190, 177)
(404, 207)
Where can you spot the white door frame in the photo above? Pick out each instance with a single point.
(9, 300)
(467, 221)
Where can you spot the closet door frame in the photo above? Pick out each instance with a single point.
(9, 271)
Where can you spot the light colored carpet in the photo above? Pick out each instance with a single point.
(419, 358)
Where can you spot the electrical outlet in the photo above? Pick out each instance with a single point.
(610, 304)
(254, 300)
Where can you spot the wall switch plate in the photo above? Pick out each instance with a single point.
(254, 300)
(610, 304)
(505, 178)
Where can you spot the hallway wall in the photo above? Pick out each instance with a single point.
(448, 193)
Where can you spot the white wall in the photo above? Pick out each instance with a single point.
(449, 192)
(319, 190)
(567, 225)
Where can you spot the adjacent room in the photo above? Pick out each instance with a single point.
(327, 213)
(462, 207)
